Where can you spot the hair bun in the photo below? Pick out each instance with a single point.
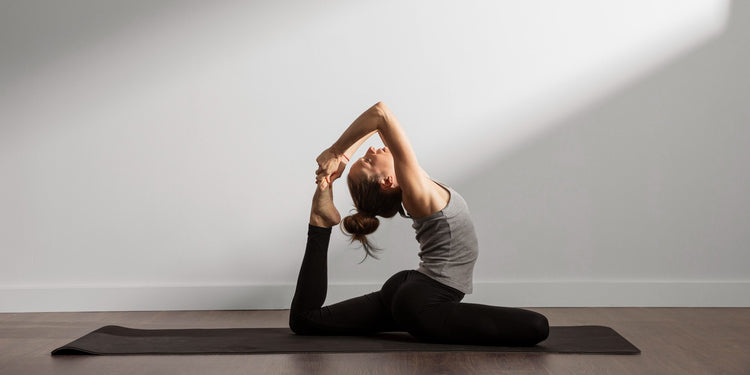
(359, 225)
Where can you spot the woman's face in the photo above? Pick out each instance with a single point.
(375, 162)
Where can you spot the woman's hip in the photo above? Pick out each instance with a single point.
(416, 287)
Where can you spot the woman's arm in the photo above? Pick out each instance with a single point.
(364, 126)
(331, 164)
(355, 146)
(416, 185)
(332, 161)
(417, 189)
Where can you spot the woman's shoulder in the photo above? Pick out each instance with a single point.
(436, 198)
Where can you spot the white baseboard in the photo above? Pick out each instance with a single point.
(263, 297)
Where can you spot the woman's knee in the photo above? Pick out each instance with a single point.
(538, 328)
(299, 324)
(305, 323)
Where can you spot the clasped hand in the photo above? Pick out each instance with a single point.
(330, 168)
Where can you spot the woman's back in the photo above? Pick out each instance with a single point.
(448, 244)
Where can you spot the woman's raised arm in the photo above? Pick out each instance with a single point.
(332, 160)
(414, 182)
(378, 118)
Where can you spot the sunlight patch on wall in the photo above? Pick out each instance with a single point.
(570, 56)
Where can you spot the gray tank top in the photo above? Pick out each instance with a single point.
(448, 244)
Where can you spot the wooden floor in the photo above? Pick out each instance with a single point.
(672, 340)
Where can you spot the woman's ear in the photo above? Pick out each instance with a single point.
(388, 182)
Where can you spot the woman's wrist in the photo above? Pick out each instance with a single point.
(341, 156)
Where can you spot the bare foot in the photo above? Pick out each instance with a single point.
(323, 213)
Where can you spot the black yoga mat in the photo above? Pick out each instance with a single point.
(118, 340)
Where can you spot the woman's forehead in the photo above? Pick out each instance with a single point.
(358, 170)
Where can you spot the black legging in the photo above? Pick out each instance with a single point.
(408, 301)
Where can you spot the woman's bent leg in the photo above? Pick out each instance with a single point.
(432, 311)
(493, 325)
(361, 315)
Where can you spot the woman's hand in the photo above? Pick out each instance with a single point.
(330, 167)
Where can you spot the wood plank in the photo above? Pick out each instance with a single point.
(673, 341)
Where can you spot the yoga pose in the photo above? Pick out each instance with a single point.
(425, 302)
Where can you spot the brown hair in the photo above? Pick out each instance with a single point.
(369, 200)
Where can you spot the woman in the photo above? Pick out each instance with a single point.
(424, 302)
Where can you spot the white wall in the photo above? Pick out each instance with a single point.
(161, 156)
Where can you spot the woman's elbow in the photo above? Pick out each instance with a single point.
(380, 108)
(382, 114)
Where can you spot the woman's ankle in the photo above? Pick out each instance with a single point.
(322, 221)
(323, 213)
